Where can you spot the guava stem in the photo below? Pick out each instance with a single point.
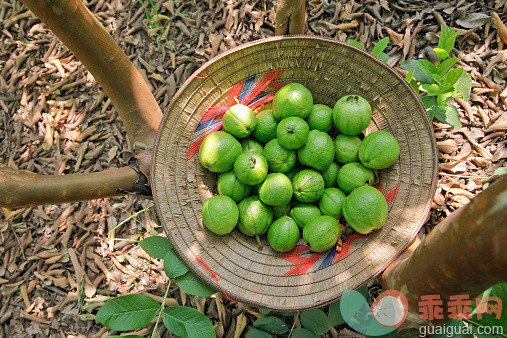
(259, 241)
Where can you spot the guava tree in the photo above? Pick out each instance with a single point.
(464, 254)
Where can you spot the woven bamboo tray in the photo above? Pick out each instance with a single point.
(303, 279)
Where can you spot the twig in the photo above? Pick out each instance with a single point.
(162, 306)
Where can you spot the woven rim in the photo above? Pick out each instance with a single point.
(257, 276)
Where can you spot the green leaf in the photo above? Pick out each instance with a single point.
(254, 333)
(380, 46)
(419, 75)
(427, 67)
(384, 57)
(498, 290)
(299, 332)
(193, 285)
(363, 290)
(415, 85)
(437, 78)
(129, 312)
(130, 335)
(498, 172)
(355, 43)
(441, 53)
(173, 266)
(271, 324)
(156, 246)
(315, 320)
(447, 38)
(409, 75)
(464, 85)
(446, 65)
(335, 316)
(458, 328)
(451, 77)
(430, 102)
(140, 144)
(268, 312)
(449, 114)
(187, 322)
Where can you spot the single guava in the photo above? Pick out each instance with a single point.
(365, 209)
(219, 151)
(352, 114)
(331, 202)
(304, 213)
(280, 159)
(318, 151)
(308, 185)
(229, 185)
(251, 167)
(276, 189)
(292, 132)
(239, 120)
(321, 233)
(220, 214)
(255, 217)
(293, 99)
(283, 234)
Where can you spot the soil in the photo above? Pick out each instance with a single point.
(55, 119)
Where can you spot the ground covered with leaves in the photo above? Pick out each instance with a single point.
(60, 263)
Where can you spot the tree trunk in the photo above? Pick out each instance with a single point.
(23, 188)
(290, 17)
(83, 34)
(465, 254)
(89, 41)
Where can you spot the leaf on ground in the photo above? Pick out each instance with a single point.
(380, 46)
(427, 67)
(448, 114)
(173, 266)
(419, 75)
(446, 65)
(335, 316)
(315, 320)
(464, 85)
(473, 20)
(129, 312)
(447, 38)
(451, 77)
(271, 324)
(355, 43)
(156, 246)
(187, 322)
(254, 333)
(498, 290)
(193, 285)
(300, 332)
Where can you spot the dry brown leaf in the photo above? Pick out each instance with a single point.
(454, 167)
(343, 26)
(448, 146)
(241, 322)
(395, 38)
(499, 125)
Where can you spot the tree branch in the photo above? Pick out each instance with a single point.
(23, 188)
(465, 254)
(290, 17)
(83, 34)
